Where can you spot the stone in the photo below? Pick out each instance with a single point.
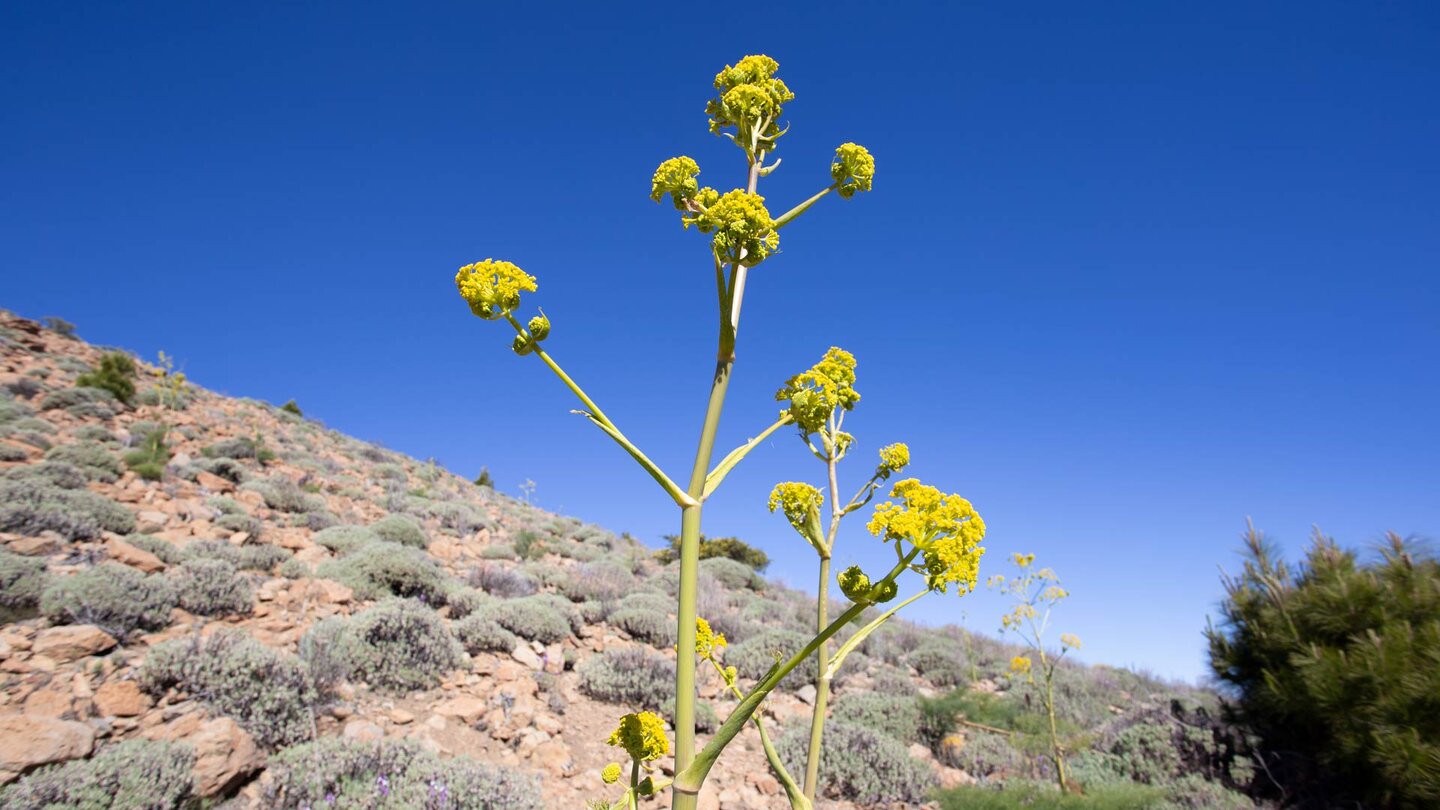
(806, 693)
(53, 701)
(213, 482)
(28, 742)
(122, 552)
(554, 757)
(72, 642)
(149, 520)
(465, 709)
(526, 656)
(362, 731)
(121, 699)
(920, 752)
(46, 543)
(401, 717)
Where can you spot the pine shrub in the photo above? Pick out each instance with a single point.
(116, 374)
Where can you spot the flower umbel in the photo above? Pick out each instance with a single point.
(492, 288)
(744, 232)
(749, 98)
(816, 393)
(946, 529)
(893, 458)
(676, 177)
(707, 641)
(611, 774)
(642, 736)
(801, 504)
(1020, 665)
(853, 169)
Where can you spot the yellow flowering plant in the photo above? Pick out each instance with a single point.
(1035, 593)
(934, 535)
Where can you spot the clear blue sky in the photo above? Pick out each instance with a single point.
(1130, 272)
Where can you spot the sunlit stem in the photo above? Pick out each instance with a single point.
(717, 475)
(833, 666)
(797, 798)
(785, 218)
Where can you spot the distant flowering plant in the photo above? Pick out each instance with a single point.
(935, 535)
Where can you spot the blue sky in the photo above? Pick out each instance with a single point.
(1129, 274)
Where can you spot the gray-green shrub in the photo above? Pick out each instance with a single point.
(940, 662)
(113, 597)
(400, 644)
(653, 627)
(754, 656)
(381, 569)
(67, 398)
(480, 633)
(498, 580)
(859, 764)
(897, 717)
(55, 473)
(256, 557)
(532, 617)
(32, 506)
(94, 460)
(22, 580)
(211, 587)
(636, 677)
(132, 775)
(401, 529)
(345, 539)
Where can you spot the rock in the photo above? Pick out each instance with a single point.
(72, 642)
(362, 731)
(526, 656)
(554, 757)
(28, 742)
(225, 754)
(465, 709)
(214, 483)
(329, 592)
(52, 701)
(806, 693)
(953, 777)
(122, 552)
(148, 521)
(401, 717)
(921, 752)
(763, 782)
(121, 699)
(46, 543)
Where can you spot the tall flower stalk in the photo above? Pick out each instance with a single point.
(934, 535)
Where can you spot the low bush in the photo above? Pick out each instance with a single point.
(732, 548)
(481, 633)
(168, 552)
(535, 618)
(336, 772)
(54, 473)
(270, 694)
(237, 448)
(1021, 794)
(227, 468)
(463, 600)
(600, 581)
(982, 754)
(67, 398)
(91, 458)
(259, 557)
(29, 507)
(329, 650)
(655, 628)
(22, 580)
(116, 598)
(897, 717)
(401, 645)
(754, 656)
(401, 529)
(381, 569)
(345, 539)
(940, 662)
(132, 775)
(498, 580)
(240, 523)
(284, 495)
(37, 440)
(149, 459)
(116, 374)
(9, 452)
(859, 764)
(12, 411)
(94, 433)
(212, 588)
(636, 677)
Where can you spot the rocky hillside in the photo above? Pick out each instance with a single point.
(218, 598)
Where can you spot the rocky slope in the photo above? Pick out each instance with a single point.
(305, 541)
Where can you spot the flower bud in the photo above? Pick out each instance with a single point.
(611, 774)
(855, 584)
(539, 327)
(522, 345)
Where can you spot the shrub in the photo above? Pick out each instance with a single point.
(212, 588)
(655, 628)
(54, 473)
(237, 448)
(706, 720)
(59, 326)
(271, 695)
(12, 411)
(32, 438)
(114, 597)
(732, 548)
(22, 580)
(938, 662)
(859, 764)
(381, 569)
(498, 580)
(529, 545)
(1016, 794)
(600, 581)
(23, 388)
(733, 575)
(93, 459)
(262, 558)
(227, 468)
(480, 633)
(401, 529)
(132, 775)
(981, 754)
(463, 600)
(635, 677)
(329, 650)
(754, 656)
(33, 425)
(116, 374)
(93, 433)
(240, 523)
(484, 479)
(533, 617)
(897, 717)
(1333, 667)
(168, 552)
(149, 459)
(285, 495)
(67, 398)
(400, 644)
(338, 772)
(345, 539)
(30, 506)
(292, 408)
(9, 452)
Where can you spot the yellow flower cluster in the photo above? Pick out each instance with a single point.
(946, 529)
(815, 394)
(1020, 665)
(1022, 560)
(853, 169)
(611, 774)
(855, 584)
(492, 288)
(642, 736)
(1054, 593)
(676, 177)
(707, 641)
(744, 232)
(749, 98)
(1070, 641)
(801, 504)
(893, 458)
(1018, 616)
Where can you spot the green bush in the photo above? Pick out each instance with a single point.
(401, 529)
(1018, 794)
(335, 772)
(31, 506)
(271, 695)
(12, 411)
(329, 650)
(484, 479)
(381, 569)
(113, 597)
(240, 523)
(345, 539)
(400, 644)
(258, 557)
(168, 552)
(132, 775)
(529, 545)
(498, 580)
(859, 764)
(54, 473)
(983, 755)
(227, 468)
(284, 495)
(754, 656)
(94, 433)
(1335, 667)
(67, 398)
(292, 408)
(732, 574)
(732, 548)
(655, 628)
(149, 459)
(532, 617)
(897, 717)
(92, 459)
(59, 326)
(463, 600)
(940, 662)
(480, 633)
(116, 374)
(237, 448)
(212, 588)
(635, 677)
(22, 580)
(9, 452)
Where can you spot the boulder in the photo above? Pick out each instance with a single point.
(72, 642)
(27, 742)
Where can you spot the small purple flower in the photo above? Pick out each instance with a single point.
(382, 785)
(330, 797)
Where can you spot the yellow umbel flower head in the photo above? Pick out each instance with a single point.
(855, 584)
(801, 504)
(642, 736)
(853, 169)
(946, 529)
(1020, 665)
(611, 774)
(492, 288)
(676, 177)
(816, 393)
(707, 641)
(744, 232)
(893, 458)
(750, 99)
(1070, 641)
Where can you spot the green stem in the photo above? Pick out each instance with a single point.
(822, 685)
(797, 798)
(800, 209)
(717, 475)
